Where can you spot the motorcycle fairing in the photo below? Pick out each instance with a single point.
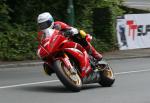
(57, 43)
(80, 54)
(50, 45)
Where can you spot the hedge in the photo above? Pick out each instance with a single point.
(104, 27)
(17, 45)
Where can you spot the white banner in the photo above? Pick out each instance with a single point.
(134, 31)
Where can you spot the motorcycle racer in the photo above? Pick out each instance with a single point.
(46, 24)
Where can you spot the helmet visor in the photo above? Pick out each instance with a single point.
(45, 25)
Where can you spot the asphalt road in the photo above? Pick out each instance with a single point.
(140, 4)
(31, 85)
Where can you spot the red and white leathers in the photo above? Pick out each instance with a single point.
(82, 41)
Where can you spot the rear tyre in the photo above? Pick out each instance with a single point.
(71, 80)
(107, 77)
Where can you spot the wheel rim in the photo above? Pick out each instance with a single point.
(108, 73)
(74, 77)
(106, 70)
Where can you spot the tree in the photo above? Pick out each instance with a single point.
(4, 16)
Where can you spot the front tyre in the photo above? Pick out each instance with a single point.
(71, 80)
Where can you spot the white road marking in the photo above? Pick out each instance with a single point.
(52, 81)
(21, 64)
(26, 84)
(129, 72)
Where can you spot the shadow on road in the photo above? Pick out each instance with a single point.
(90, 86)
(55, 89)
(45, 89)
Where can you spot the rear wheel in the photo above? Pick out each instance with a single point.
(69, 77)
(107, 76)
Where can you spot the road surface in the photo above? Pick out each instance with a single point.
(31, 85)
(140, 4)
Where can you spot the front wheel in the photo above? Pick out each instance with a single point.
(69, 79)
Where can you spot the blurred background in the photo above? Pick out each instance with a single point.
(18, 25)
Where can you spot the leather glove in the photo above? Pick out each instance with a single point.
(82, 33)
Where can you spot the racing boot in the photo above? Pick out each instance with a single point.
(91, 50)
(85, 42)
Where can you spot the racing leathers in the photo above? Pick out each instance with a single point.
(78, 36)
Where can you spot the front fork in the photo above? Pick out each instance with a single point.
(67, 62)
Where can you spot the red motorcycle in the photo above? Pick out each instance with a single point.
(71, 63)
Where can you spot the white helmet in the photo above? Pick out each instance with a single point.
(45, 20)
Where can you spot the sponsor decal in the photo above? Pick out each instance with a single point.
(140, 30)
(133, 31)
